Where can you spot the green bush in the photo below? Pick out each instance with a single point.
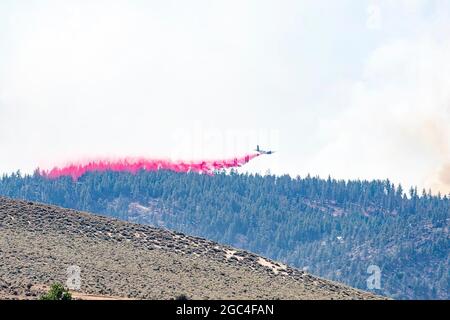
(57, 292)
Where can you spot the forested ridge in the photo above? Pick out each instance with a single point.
(335, 229)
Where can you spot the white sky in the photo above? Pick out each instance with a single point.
(354, 89)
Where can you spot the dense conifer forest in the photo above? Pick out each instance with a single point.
(332, 228)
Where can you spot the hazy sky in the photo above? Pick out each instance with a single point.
(354, 89)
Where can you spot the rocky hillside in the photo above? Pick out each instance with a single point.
(124, 260)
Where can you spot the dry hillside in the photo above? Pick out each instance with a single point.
(39, 242)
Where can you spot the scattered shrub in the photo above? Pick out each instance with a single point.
(57, 292)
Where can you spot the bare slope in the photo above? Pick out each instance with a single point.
(119, 259)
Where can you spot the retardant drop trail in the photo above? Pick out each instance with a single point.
(134, 165)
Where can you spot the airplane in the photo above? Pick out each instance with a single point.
(263, 151)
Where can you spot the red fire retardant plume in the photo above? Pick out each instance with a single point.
(134, 165)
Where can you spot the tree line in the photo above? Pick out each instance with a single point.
(332, 228)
